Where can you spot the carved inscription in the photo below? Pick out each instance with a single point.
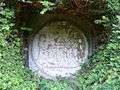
(57, 50)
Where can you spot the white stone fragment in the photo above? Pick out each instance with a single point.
(57, 50)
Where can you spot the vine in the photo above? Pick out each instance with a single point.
(103, 75)
(13, 75)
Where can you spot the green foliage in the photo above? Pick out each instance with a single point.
(114, 4)
(47, 6)
(105, 63)
(13, 75)
(54, 85)
(102, 72)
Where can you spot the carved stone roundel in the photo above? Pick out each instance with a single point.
(57, 49)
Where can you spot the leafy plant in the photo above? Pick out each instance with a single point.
(102, 72)
(13, 75)
(47, 6)
(105, 74)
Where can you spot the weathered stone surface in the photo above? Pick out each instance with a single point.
(57, 49)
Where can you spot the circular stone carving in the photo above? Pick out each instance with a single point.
(57, 49)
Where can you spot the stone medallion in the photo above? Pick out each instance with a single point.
(57, 50)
